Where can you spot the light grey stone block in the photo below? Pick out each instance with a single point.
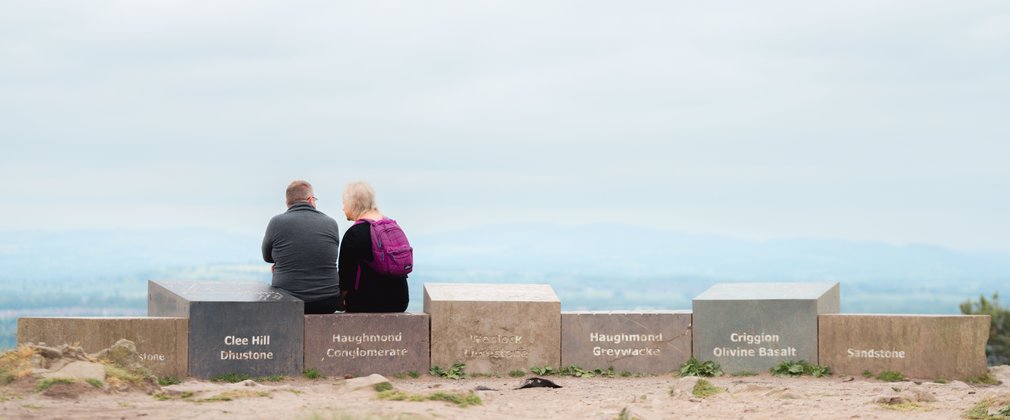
(364, 343)
(634, 341)
(493, 328)
(755, 326)
(235, 327)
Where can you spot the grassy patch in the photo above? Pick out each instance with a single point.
(414, 374)
(981, 409)
(940, 381)
(574, 371)
(234, 395)
(518, 373)
(891, 376)
(694, 367)
(164, 396)
(704, 389)
(904, 406)
(95, 383)
(460, 399)
(745, 373)
(230, 378)
(867, 374)
(15, 364)
(313, 374)
(116, 372)
(270, 378)
(49, 382)
(383, 386)
(800, 368)
(984, 379)
(455, 372)
(169, 380)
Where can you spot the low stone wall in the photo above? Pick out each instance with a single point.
(654, 342)
(361, 344)
(918, 346)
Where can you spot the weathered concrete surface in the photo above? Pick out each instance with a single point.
(755, 326)
(365, 343)
(918, 346)
(235, 327)
(640, 342)
(493, 328)
(162, 343)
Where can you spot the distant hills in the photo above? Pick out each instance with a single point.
(603, 266)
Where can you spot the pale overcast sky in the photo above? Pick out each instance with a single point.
(866, 120)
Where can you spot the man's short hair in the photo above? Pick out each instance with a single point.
(299, 190)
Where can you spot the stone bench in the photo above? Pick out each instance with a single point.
(360, 344)
(162, 343)
(755, 326)
(493, 328)
(640, 342)
(918, 346)
(234, 327)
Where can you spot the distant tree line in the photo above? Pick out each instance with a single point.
(997, 350)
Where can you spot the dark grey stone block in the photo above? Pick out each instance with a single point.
(638, 342)
(755, 326)
(362, 344)
(234, 327)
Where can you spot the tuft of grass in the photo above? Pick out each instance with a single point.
(518, 373)
(313, 374)
(455, 372)
(626, 374)
(704, 389)
(49, 382)
(460, 399)
(867, 374)
(800, 368)
(230, 378)
(95, 383)
(905, 406)
(414, 374)
(234, 395)
(400, 375)
(891, 376)
(940, 381)
(383, 386)
(695, 367)
(169, 380)
(270, 378)
(983, 379)
(16, 364)
(744, 373)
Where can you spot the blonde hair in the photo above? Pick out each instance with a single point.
(298, 190)
(360, 198)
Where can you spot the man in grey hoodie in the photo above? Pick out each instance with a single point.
(302, 243)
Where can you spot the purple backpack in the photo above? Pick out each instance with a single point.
(391, 252)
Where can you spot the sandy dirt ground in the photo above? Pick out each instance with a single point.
(654, 397)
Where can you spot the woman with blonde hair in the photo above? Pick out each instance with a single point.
(365, 285)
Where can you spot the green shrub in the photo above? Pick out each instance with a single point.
(383, 386)
(799, 368)
(414, 374)
(455, 372)
(542, 371)
(997, 349)
(313, 374)
(694, 367)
